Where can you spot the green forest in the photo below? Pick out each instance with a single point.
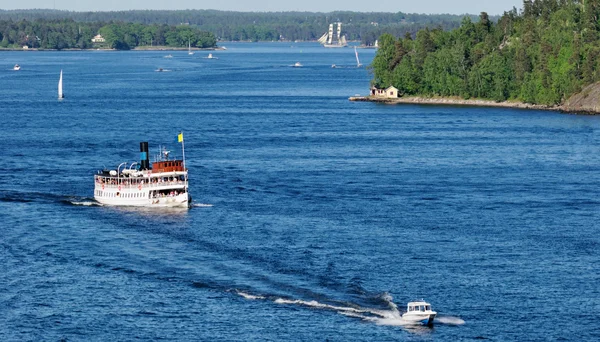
(260, 26)
(541, 55)
(67, 34)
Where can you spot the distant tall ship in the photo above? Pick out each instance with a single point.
(331, 40)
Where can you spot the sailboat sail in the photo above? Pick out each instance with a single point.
(323, 39)
(330, 34)
(358, 65)
(60, 86)
(190, 48)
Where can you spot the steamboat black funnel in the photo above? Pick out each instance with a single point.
(144, 158)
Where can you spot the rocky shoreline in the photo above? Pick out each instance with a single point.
(452, 102)
(585, 102)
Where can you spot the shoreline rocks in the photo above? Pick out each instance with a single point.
(585, 102)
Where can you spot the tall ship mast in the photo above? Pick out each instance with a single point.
(164, 183)
(331, 40)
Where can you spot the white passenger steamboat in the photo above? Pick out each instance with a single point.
(164, 184)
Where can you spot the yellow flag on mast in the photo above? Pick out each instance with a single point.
(180, 137)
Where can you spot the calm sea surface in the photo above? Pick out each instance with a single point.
(315, 218)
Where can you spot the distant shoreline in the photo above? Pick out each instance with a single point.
(137, 48)
(449, 101)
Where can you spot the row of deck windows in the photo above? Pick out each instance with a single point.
(127, 180)
(101, 193)
(419, 308)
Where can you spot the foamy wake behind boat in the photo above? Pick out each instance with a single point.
(419, 312)
(162, 184)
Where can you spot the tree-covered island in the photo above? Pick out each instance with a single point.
(543, 55)
(68, 34)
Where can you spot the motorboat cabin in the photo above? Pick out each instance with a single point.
(419, 312)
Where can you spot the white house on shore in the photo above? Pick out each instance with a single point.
(98, 39)
(390, 92)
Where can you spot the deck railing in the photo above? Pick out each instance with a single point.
(139, 186)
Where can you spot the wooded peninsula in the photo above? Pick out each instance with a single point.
(224, 25)
(542, 55)
(68, 34)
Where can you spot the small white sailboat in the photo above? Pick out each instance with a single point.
(210, 56)
(17, 67)
(358, 65)
(297, 65)
(190, 48)
(60, 87)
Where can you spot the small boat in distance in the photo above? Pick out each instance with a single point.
(333, 66)
(210, 56)
(189, 48)
(162, 184)
(169, 56)
(358, 65)
(297, 65)
(17, 67)
(419, 312)
(374, 46)
(60, 87)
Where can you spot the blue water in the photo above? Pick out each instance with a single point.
(314, 216)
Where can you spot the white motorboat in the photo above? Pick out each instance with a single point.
(210, 56)
(297, 65)
(17, 67)
(162, 184)
(169, 56)
(419, 312)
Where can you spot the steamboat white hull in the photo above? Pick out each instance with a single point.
(145, 192)
(179, 201)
